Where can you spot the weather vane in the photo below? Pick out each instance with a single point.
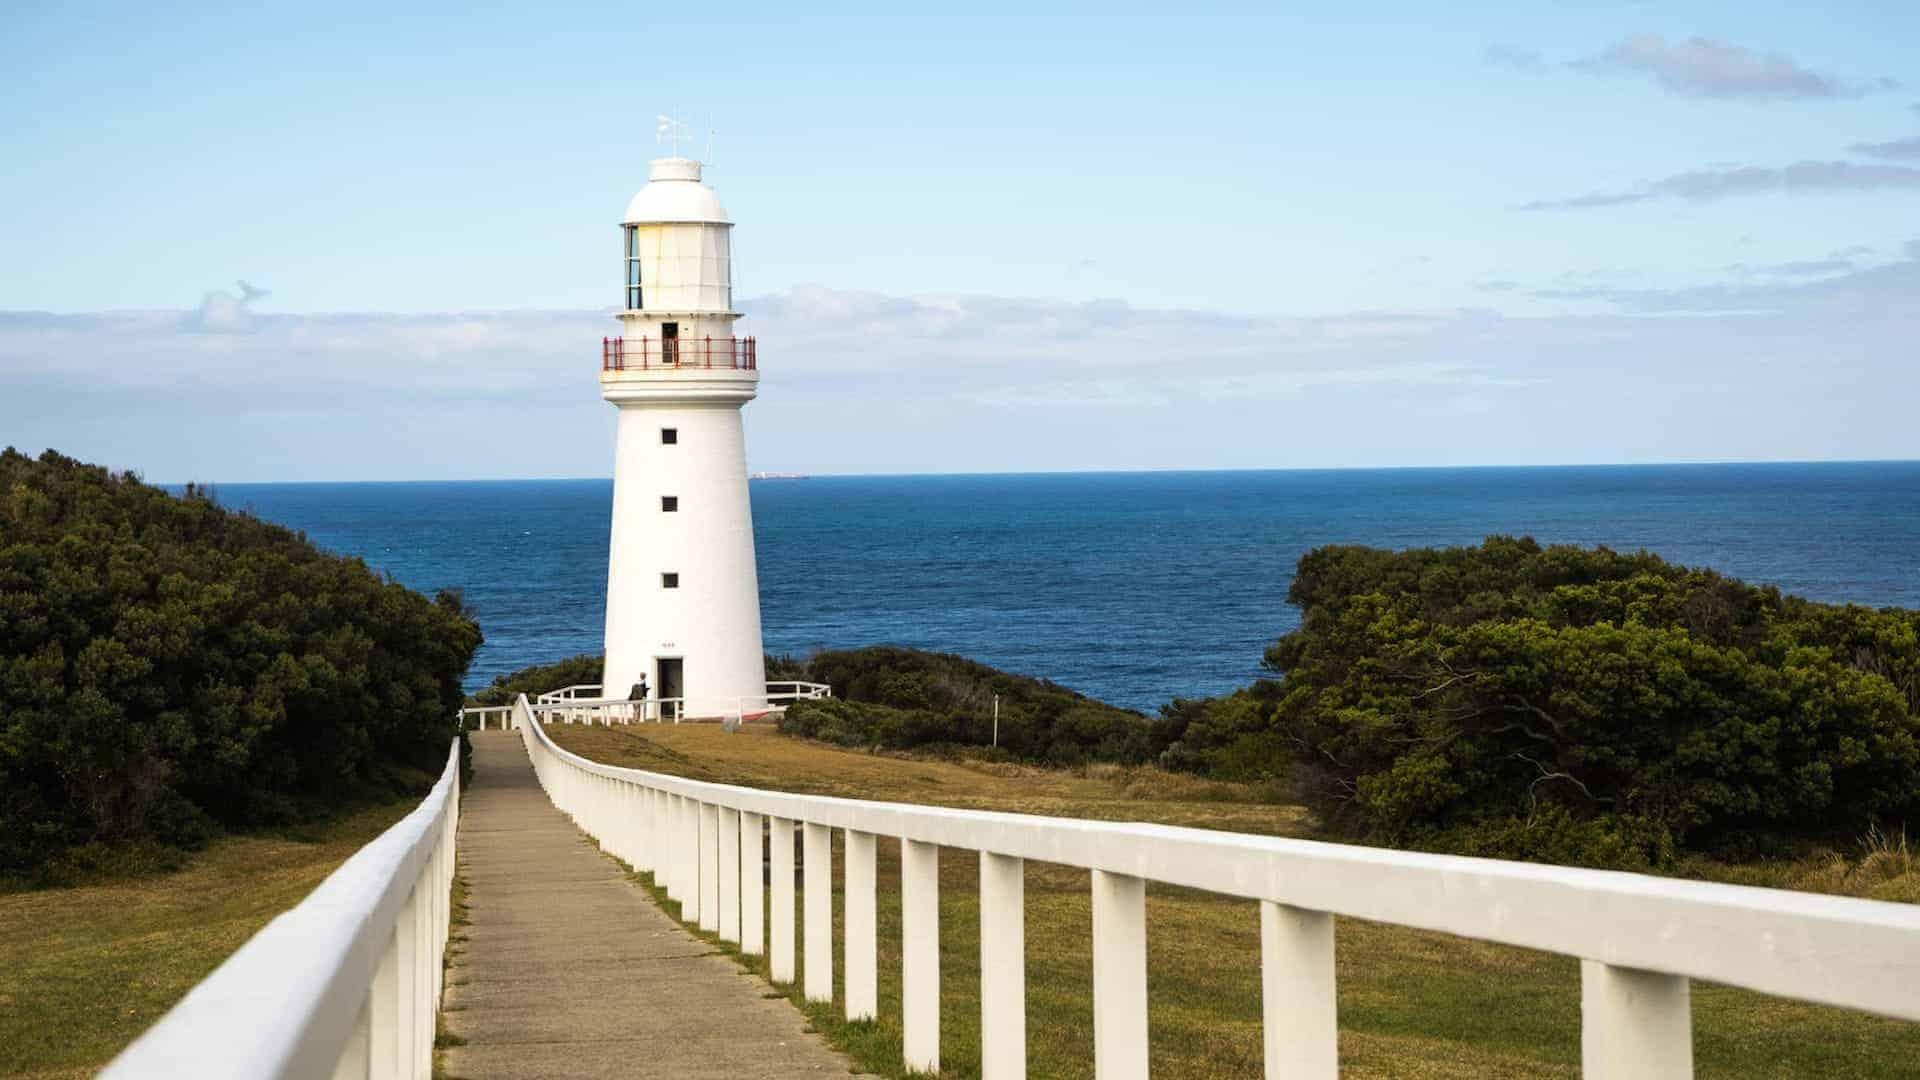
(672, 132)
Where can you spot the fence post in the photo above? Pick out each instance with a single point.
(637, 816)
(426, 1012)
(780, 866)
(385, 1005)
(407, 989)
(690, 859)
(1119, 977)
(1634, 1024)
(1297, 996)
(1003, 967)
(620, 820)
(818, 942)
(356, 1057)
(862, 944)
(920, 954)
(753, 895)
(670, 839)
(730, 875)
(652, 853)
(709, 867)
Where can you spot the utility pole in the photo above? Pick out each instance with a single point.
(996, 721)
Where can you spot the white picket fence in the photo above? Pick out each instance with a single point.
(1640, 939)
(345, 985)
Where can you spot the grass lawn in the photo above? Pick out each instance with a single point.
(84, 970)
(1412, 1004)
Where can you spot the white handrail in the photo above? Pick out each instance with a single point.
(557, 704)
(1640, 938)
(346, 984)
(481, 713)
(568, 693)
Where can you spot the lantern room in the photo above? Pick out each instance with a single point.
(678, 246)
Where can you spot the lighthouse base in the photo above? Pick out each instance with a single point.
(683, 595)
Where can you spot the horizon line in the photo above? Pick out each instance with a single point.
(785, 474)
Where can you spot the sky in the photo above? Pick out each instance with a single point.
(1015, 238)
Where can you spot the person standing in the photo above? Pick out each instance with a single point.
(639, 695)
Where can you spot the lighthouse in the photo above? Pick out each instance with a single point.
(683, 598)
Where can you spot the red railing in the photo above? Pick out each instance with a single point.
(677, 354)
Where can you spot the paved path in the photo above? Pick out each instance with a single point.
(570, 970)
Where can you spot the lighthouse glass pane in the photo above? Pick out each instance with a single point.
(633, 271)
(633, 245)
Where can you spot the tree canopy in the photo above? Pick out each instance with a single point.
(168, 666)
(1573, 704)
(537, 679)
(898, 698)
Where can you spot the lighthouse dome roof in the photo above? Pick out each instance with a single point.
(674, 192)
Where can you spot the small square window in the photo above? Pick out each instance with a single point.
(669, 504)
(669, 581)
(669, 436)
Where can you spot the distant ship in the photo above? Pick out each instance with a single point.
(777, 476)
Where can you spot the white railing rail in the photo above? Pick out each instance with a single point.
(556, 707)
(796, 690)
(475, 717)
(568, 693)
(1640, 939)
(346, 984)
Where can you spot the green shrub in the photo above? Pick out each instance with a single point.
(168, 667)
(582, 670)
(898, 698)
(1575, 704)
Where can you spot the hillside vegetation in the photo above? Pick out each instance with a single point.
(1560, 704)
(169, 667)
(894, 698)
(1573, 705)
(582, 670)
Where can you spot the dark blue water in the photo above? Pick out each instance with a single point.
(1133, 587)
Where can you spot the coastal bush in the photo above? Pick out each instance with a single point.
(895, 698)
(169, 667)
(890, 697)
(582, 670)
(898, 698)
(1573, 705)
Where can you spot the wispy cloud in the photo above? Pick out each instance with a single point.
(1839, 261)
(221, 312)
(1702, 67)
(1816, 292)
(1708, 185)
(1514, 58)
(1896, 150)
(1798, 268)
(861, 381)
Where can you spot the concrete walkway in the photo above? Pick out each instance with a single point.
(570, 970)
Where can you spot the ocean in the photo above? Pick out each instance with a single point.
(1132, 587)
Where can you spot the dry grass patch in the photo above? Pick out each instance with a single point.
(762, 757)
(84, 970)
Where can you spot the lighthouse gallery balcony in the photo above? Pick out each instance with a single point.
(677, 354)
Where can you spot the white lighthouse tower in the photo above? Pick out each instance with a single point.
(683, 599)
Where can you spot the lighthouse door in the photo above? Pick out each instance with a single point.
(670, 342)
(670, 683)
